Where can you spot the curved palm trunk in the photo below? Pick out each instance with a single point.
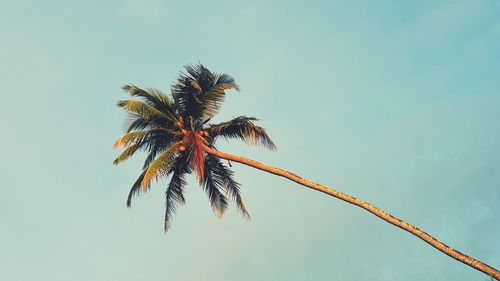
(370, 208)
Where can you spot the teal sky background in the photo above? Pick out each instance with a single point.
(395, 102)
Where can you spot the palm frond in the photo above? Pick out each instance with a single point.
(146, 111)
(231, 186)
(204, 78)
(213, 99)
(155, 98)
(139, 136)
(160, 166)
(149, 140)
(196, 86)
(136, 188)
(186, 89)
(200, 93)
(157, 146)
(152, 96)
(130, 138)
(127, 153)
(242, 127)
(135, 122)
(174, 193)
(214, 185)
(227, 81)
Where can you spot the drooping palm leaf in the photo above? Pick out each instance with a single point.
(127, 153)
(158, 146)
(153, 97)
(242, 127)
(160, 166)
(215, 186)
(146, 111)
(135, 189)
(135, 137)
(231, 187)
(174, 192)
(135, 122)
(213, 99)
(142, 140)
(131, 138)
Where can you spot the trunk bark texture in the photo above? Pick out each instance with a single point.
(476, 264)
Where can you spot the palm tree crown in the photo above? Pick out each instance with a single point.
(175, 131)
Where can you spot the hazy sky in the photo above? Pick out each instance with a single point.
(395, 102)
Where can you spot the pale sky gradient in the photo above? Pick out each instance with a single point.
(395, 102)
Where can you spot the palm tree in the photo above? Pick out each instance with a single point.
(179, 140)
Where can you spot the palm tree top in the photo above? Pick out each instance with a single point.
(174, 131)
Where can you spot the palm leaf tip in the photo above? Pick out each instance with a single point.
(243, 210)
(135, 189)
(117, 143)
(128, 87)
(134, 90)
(174, 194)
(227, 82)
(127, 153)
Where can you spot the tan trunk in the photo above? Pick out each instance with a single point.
(370, 208)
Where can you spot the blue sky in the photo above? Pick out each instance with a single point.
(395, 102)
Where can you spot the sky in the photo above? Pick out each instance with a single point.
(394, 102)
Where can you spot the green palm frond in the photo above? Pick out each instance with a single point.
(157, 146)
(242, 127)
(127, 153)
(213, 99)
(137, 123)
(146, 111)
(231, 186)
(153, 96)
(214, 185)
(200, 93)
(202, 75)
(174, 193)
(185, 91)
(160, 166)
(195, 86)
(132, 138)
(141, 140)
(136, 188)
